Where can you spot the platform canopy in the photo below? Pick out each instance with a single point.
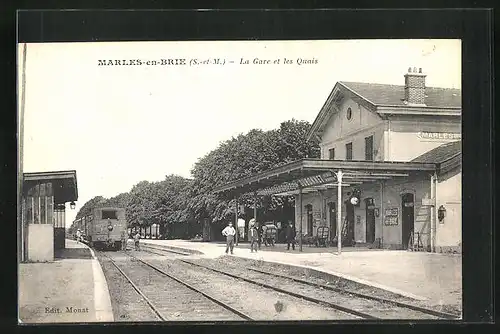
(317, 174)
(64, 184)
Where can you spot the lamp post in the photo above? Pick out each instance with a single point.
(339, 214)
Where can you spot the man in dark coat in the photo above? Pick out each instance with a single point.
(290, 236)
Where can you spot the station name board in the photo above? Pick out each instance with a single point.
(439, 135)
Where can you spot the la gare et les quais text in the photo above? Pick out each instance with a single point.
(258, 61)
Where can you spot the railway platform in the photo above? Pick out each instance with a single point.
(70, 289)
(435, 279)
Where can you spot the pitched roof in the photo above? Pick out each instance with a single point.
(393, 95)
(441, 153)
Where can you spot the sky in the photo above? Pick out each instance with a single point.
(119, 125)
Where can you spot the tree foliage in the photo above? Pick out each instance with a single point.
(179, 200)
(90, 205)
(242, 156)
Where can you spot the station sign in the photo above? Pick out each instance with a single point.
(440, 135)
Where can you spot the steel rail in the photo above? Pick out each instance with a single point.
(151, 305)
(297, 295)
(165, 249)
(360, 295)
(215, 300)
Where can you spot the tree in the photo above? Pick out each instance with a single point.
(244, 155)
(119, 201)
(143, 200)
(90, 205)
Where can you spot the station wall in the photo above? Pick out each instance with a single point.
(407, 139)
(340, 131)
(385, 195)
(449, 230)
(40, 242)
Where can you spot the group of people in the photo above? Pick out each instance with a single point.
(253, 236)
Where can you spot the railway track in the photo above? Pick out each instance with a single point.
(443, 315)
(173, 299)
(364, 306)
(258, 302)
(351, 302)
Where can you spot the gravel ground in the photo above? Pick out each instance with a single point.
(173, 300)
(375, 308)
(327, 279)
(127, 304)
(259, 303)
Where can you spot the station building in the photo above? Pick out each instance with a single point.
(391, 123)
(397, 149)
(43, 213)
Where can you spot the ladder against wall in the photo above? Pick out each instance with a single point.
(415, 242)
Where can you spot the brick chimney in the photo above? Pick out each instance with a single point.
(415, 87)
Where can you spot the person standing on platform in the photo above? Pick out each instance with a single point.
(124, 238)
(253, 235)
(290, 236)
(137, 237)
(229, 232)
(78, 235)
(259, 233)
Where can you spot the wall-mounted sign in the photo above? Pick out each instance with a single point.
(390, 220)
(358, 219)
(377, 212)
(391, 216)
(391, 212)
(427, 202)
(439, 135)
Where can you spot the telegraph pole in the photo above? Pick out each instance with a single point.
(20, 178)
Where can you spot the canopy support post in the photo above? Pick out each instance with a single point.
(339, 213)
(255, 206)
(236, 219)
(300, 214)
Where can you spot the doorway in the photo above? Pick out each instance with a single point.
(370, 221)
(408, 214)
(309, 219)
(348, 230)
(332, 209)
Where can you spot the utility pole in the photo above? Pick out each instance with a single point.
(20, 179)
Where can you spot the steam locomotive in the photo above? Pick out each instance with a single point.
(103, 228)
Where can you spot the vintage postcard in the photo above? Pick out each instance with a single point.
(208, 181)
